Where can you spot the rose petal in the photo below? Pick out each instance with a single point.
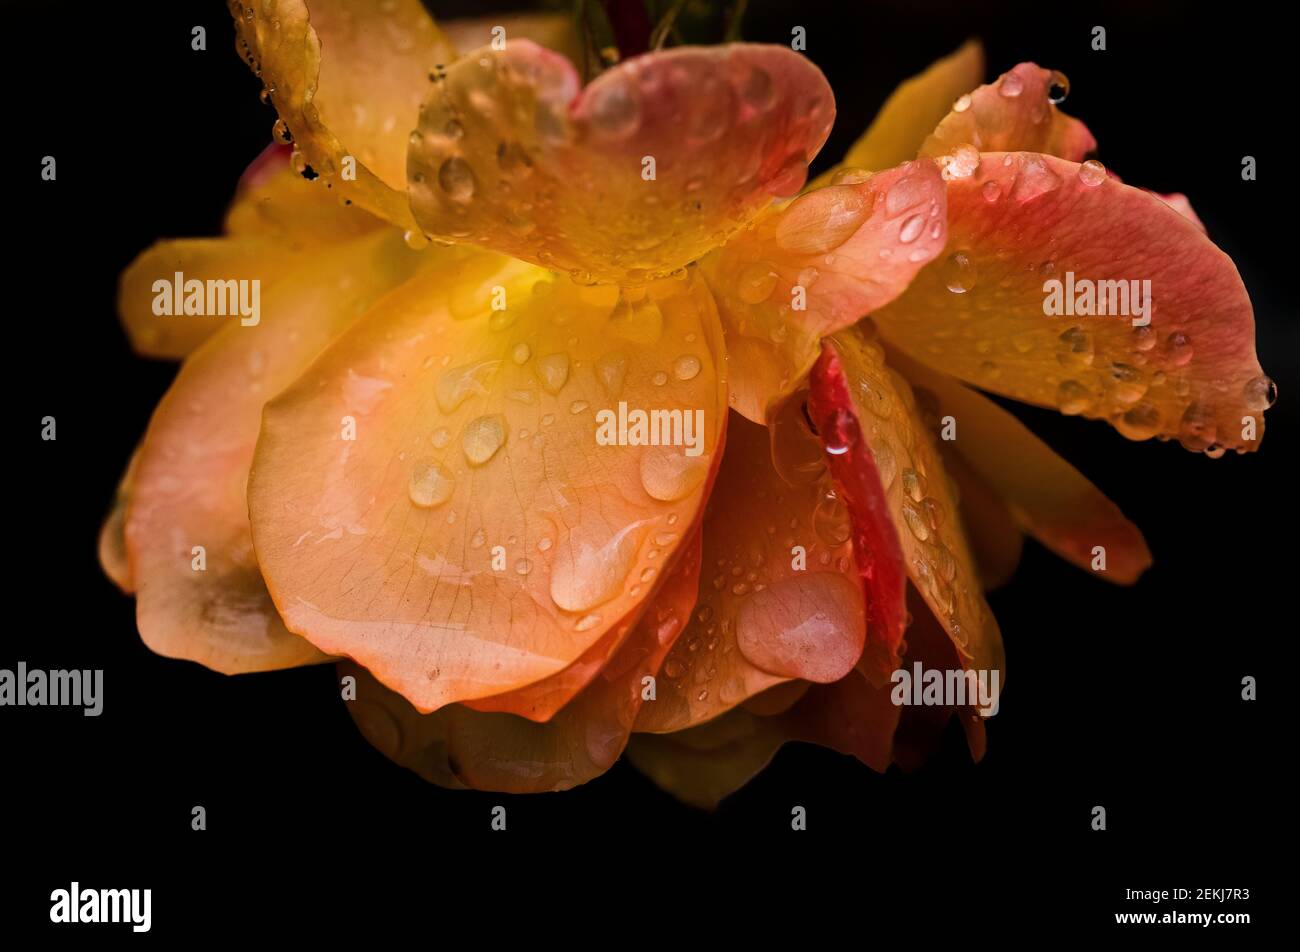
(867, 416)
(475, 443)
(767, 613)
(817, 265)
(1051, 499)
(510, 754)
(346, 77)
(1012, 114)
(512, 155)
(852, 716)
(1190, 374)
(995, 539)
(193, 465)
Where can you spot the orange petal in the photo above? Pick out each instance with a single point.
(346, 77)
(818, 265)
(1181, 204)
(704, 764)
(555, 31)
(190, 479)
(113, 558)
(779, 596)
(1023, 225)
(910, 114)
(1013, 113)
(867, 416)
(658, 160)
(510, 754)
(431, 497)
(1051, 499)
(413, 740)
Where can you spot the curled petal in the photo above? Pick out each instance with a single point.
(1037, 246)
(779, 596)
(818, 265)
(889, 471)
(507, 753)
(200, 593)
(446, 495)
(852, 716)
(1011, 114)
(913, 110)
(346, 77)
(1051, 499)
(655, 162)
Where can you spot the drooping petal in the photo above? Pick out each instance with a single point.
(655, 162)
(704, 764)
(507, 753)
(346, 77)
(200, 594)
(996, 541)
(443, 495)
(113, 558)
(912, 111)
(1012, 114)
(1030, 235)
(779, 595)
(555, 31)
(852, 716)
(817, 265)
(416, 741)
(1051, 499)
(867, 416)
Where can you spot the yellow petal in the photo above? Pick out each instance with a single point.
(555, 31)
(346, 77)
(658, 160)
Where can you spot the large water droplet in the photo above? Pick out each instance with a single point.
(686, 367)
(1073, 398)
(482, 437)
(1259, 394)
(821, 220)
(1092, 173)
(553, 369)
(458, 384)
(756, 282)
(457, 179)
(588, 570)
(959, 272)
(1058, 87)
(1178, 348)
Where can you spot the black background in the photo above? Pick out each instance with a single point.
(1127, 698)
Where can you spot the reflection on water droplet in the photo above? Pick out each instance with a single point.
(668, 474)
(911, 229)
(457, 179)
(959, 272)
(1178, 348)
(588, 570)
(1011, 86)
(756, 282)
(831, 519)
(554, 371)
(1092, 173)
(1073, 398)
(1259, 393)
(686, 367)
(1058, 87)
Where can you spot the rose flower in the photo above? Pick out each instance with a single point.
(573, 419)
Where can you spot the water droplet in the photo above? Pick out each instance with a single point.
(959, 272)
(612, 370)
(756, 89)
(586, 622)
(1178, 348)
(992, 191)
(554, 371)
(281, 132)
(915, 522)
(1259, 394)
(913, 484)
(674, 668)
(842, 433)
(756, 282)
(1010, 86)
(911, 229)
(796, 452)
(440, 437)
(790, 178)
(588, 571)
(578, 406)
(686, 367)
(668, 474)
(1141, 422)
(962, 103)
(458, 384)
(960, 163)
(1144, 338)
(659, 379)
(1092, 173)
(1073, 398)
(457, 179)
(1058, 87)
(521, 353)
(831, 519)
(453, 129)
(482, 438)
(1129, 385)
(1034, 179)
(523, 567)
(1075, 348)
(821, 220)
(431, 484)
